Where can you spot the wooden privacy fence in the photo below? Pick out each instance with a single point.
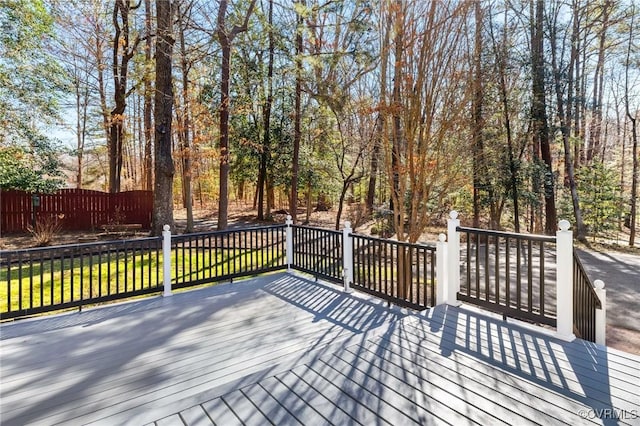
(76, 209)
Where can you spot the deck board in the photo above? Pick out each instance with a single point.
(195, 416)
(280, 349)
(270, 406)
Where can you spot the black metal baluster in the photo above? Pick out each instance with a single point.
(542, 311)
(487, 268)
(518, 274)
(30, 282)
(468, 262)
(507, 277)
(497, 267)
(62, 268)
(477, 262)
(51, 275)
(41, 262)
(529, 276)
(20, 283)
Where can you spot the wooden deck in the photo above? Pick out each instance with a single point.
(281, 349)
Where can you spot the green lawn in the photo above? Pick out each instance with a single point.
(60, 281)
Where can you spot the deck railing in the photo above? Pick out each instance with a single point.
(318, 252)
(400, 272)
(207, 257)
(585, 302)
(38, 280)
(509, 273)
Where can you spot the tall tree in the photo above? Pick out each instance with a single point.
(226, 37)
(501, 54)
(595, 129)
(266, 138)
(148, 99)
(183, 10)
(297, 111)
(477, 125)
(124, 48)
(634, 135)
(163, 112)
(540, 126)
(563, 107)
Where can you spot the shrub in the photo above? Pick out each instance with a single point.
(44, 231)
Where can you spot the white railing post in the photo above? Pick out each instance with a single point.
(166, 260)
(453, 258)
(601, 314)
(564, 281)
(441, 270)
(289, 242)
(347, 257)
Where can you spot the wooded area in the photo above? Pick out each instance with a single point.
(514, 113)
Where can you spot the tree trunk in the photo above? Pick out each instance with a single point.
(565, 121)
(343, 194)
(308, 212)
(163, 194)
(266, 139)
(185, 130)
(147, 109)
(297, 133)
(123, 52)
(373, 167)
(396, 202)
(539, 117)
(226, 39)
(225, 45)
(595, 130)
(405, 273)
(634, 139)
(477, 122)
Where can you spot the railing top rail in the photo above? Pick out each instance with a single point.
(78, 246)
(592, 289)
(315, 228)
(518, 236)
(428, 246)
(227, 231)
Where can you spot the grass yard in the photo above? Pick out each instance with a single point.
(43, 282)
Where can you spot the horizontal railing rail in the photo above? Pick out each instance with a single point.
(585, 302)
(318, 252)
(45, 279)
(509, 273)
(400, 272)
(207, 257)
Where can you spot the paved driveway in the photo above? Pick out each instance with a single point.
(621, 275)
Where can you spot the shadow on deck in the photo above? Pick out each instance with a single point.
(284, 350)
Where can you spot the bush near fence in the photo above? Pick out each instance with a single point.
(76, 209)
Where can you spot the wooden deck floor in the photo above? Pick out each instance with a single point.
(280, 349)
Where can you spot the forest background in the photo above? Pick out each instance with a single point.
(515, 113)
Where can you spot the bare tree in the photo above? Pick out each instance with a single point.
(123, 51)
(540, 126)
(183, 115)
(634, 136)
(226, 38)
(564, 111)
(266, 138)
(163, 112)
(431, 74)
(148, 99)
(297, 111)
